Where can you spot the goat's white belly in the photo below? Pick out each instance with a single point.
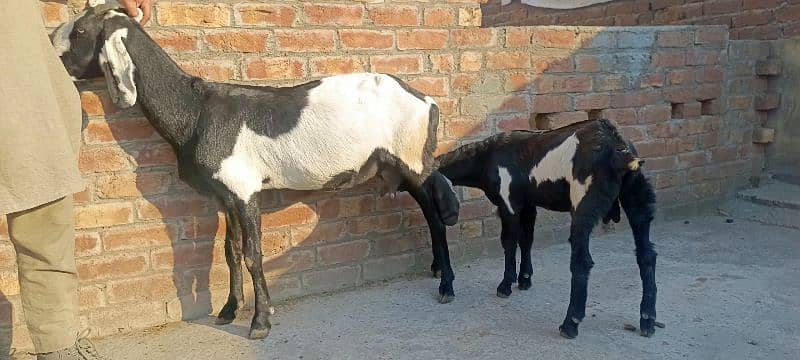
(346, 120)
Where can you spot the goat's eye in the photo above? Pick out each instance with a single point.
(80, 30)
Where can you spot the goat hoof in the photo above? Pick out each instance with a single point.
(647, 327)
(437, 274)
(256, 334)
(445, 298)
(568, 331)
(272, 310)
(223, 320)
(504, 290)
(524, 281)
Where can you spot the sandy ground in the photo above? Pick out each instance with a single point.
(725, 291)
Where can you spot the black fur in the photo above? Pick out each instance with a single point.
(201, 120)
(603, 154)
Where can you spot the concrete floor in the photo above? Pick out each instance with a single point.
(725, 291)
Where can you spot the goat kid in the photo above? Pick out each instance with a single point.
(587, 169)
(232, 141)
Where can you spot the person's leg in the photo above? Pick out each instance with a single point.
(45, 243)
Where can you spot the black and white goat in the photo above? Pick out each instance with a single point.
(232, 141)
(588, 169)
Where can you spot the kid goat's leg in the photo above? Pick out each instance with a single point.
(525, 244)
(233, 256)
(637, 198)
(510, 234)
(588, 213)
(251, 229)
(441, 254)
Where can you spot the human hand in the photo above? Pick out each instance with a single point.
(132, 8)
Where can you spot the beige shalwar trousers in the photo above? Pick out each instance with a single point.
(40, 121)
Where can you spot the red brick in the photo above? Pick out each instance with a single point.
(172, 206)
(289, 262)
(559, 39)
(543, 104)
(99, 215)
(592, 101)
(710, 36)
(366, 39)
(9, 284)
(767, 102)
(118, 130)
(185, 254)
(610, 82)
(514, 122)
(508, 60)
(293, 215)
(620, 116)
(421, 39)
(152, 287)
(273, 242)
(394, 15)
(217, 70)
(692, 159)
(708, 91)
(587, 63)
(334, 14)
(397, 64)
(442, 63)
(399, 243)
(91, 297)
(380, 223)
(726, 153)
(675, 38)
(139, 237)
(237, 41)
(661, 4)
(669, 59)
(130, 185)
(686, 110)
(54, 13)
(471, 61)
(474, 37)
(97, 103)
(274, 69)
(111, 266)
(513, 104)
(517, 81)
(176, 41)
(343, 253)
(559, 120)
(753, 18)
(739, 102)
(635, 98)
(702, 57)
(717, 7)
(103, 159)
(760, 4)
(518, 37)
(336, 65)
(186, 14)
(654, 114)
(680, 77)
(476, 209)
(788, 13)
(313, 234)
(710, 74)
(552, 65)
(463, 128)
(652, 80)
(305, 40)
(659, 147)
(439, 17)
(87, 244)
(265, 15)
(154, 155)
(346, 207)
(431, 86)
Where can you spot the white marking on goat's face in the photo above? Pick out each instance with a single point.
(557, 164)
(505, 187)
(118, 69)
(61, 42)
(345, 120)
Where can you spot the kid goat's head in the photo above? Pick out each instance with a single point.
(94, 43)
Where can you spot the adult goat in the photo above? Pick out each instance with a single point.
(232, 141)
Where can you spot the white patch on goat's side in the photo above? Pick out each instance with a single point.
(505, 187)
(118, 68)
(346, 119)
(61, 42)
(557, 164)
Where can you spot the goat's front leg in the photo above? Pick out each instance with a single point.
(233, 256)
(251, 228)
(579, 265)
(526, 242)
(509, 236)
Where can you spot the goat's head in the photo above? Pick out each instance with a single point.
(92, 44)
(625, 157)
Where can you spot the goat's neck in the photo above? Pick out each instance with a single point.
(463, 172)
(165, 92)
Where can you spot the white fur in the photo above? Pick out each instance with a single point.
(61, 41)
(557, 164)
(347, 118)
(505, 187)
(114, 58)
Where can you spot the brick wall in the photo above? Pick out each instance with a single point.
(747, 19)
(150, 249)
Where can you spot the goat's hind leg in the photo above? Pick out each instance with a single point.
(233, 257)
(509, 236)
(638, 199)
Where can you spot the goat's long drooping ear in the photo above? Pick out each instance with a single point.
(118, 68)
